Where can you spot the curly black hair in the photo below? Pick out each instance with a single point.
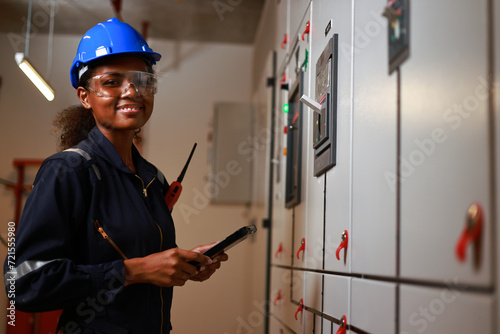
(74, 124)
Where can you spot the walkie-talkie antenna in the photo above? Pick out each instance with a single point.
(181, 176)
(175, 189)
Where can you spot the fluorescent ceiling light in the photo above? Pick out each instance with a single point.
(33, 75)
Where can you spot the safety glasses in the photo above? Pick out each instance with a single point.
(115, 84)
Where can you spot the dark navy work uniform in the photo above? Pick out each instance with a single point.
(81, 220)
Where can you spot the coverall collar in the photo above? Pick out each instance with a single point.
(107, 151)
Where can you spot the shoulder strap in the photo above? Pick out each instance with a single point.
(96, 184)
(88, 158)
(160, 176)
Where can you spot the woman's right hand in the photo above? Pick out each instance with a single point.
(167, 268)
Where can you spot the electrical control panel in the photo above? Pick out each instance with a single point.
(294, 145)
(325, 117)
(398, 14)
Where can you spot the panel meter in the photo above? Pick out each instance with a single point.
(398, 14)
(325, 115)
(294, 145)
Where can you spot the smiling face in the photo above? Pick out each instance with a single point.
(125, 112)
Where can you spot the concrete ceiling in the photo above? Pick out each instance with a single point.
(226, 21)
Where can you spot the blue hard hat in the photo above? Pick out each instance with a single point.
(110, 38)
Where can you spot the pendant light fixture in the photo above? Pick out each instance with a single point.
(27, 68)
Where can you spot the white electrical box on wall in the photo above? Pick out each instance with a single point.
(232, 154)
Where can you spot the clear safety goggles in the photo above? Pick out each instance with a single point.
(114, 84)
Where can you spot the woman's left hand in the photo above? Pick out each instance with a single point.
(205, 271)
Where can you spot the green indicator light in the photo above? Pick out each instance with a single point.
(285, 108)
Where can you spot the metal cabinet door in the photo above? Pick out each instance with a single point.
(287, 289)
(373, 306)
(281, 228)
(338, 14)
(444, 310)
(314, 186)
(313, 300)
(282, 231)
(296, 315)
(298, 16)
(304, 221)
(444, 141)
(279, 292)
(374, 145)
(282, 31)
(313, 324)
(278, 327)
(336, 300)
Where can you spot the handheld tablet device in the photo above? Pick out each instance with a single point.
(232, 240)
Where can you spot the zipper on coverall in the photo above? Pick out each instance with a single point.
(145, 192)
(115, 246)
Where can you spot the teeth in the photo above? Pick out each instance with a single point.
(129, 108)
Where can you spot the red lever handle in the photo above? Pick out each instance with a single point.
(300, 309)
(343, 325)
(283, 78)
(279, 250)
(471, 232)
(302, 248)
(278, 297)
(390, 12)
(285, 40)
(306, 31)
(343, 243)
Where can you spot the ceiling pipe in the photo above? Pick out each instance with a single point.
(117, 7)
(145, 28)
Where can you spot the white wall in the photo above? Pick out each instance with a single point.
(193, 77)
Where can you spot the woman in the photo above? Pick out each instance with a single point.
(96, 238)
